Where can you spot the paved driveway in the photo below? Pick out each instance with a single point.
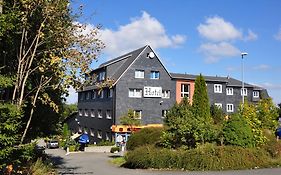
(98, 164)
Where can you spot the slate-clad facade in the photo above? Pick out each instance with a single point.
(142, 83)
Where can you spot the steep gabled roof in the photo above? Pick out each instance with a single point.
(122, 57)
(129, 60)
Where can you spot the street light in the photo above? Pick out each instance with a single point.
(242, 55)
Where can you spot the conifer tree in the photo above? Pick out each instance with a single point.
(200, 103)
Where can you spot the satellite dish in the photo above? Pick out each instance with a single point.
(151, 55)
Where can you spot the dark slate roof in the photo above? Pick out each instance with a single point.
(229, 80)
(129, 60)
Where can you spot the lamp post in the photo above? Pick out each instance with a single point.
(242, 65)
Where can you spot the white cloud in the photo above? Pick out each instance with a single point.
(251, 36)
(278, 35)
(262, 67)
(72, 97)
(216, 51)
(270, 86)
(144, 30)
(217, 29)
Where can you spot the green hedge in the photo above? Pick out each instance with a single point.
(203, 158)
(144, 137)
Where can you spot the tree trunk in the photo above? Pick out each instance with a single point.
(31, 114)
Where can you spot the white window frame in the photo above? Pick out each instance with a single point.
(110, 93)
(80, 112)
(153, 75)
(166, 93)
(217, 88)
(228, 108)
(99, 113)
(85, 130)
(108, 114)
(135, 93)
(101, 94)
(139, 73)
(245, 92)
(219, 105)
(82, 95)
(229, 91)
(107, 134)
(101, 76)
(184, 93)
(164, 113)
(86, 112)
(138, 112)
(92, 132)
(88, 95)
(256, 94)
(92, 113)
(99, 134)
(94, 96)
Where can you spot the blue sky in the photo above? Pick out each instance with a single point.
(195, 36)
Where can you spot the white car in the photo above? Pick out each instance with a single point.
(52, 144)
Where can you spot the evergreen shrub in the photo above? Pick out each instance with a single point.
(201, 158)
(144, 137)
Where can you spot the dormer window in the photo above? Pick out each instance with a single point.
(256, 94)
(101, 76)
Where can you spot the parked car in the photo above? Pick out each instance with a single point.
(52, 144)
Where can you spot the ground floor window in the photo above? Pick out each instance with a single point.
(229, 108)
(164, 113)
(99, 134)
(138, 114)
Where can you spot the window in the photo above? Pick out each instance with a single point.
(94, 94)
(99, 114)
(229, 91)
(88, 95)
(92, 113)
(80, 112)
(139, 74)
(184, 90)
(92, 132)
(154, 75)
(100, 94)
(86, 112)
(85, 130)
(82, 96)
(110, 92)
(164, 113)
(256, 94)
(217, 88)
(101, 76)
(229, 108)
(108, 114)
(137, 114)
(99, 134)
(107, 136)
(165, 94)
(136, 93)
(219, 105)
(244, 91)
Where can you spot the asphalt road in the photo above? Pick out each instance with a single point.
(98, 164)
